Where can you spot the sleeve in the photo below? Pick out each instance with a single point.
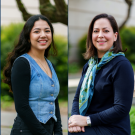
(57, 125)
(75, 105)
(20, 81)
(123, 86)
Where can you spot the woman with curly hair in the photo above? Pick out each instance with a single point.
(33, 80)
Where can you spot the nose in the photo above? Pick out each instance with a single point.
(100, 34)
(43, 34)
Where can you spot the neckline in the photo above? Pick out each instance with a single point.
(41, 68)
(99, 60)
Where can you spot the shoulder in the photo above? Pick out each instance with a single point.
(122, 65)
(20, 70)
(120, 58)
(21, 63)
(121, 61)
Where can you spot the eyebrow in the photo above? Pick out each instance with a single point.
(39, 28)
(103, 28)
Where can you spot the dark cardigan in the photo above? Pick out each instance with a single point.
(112, 99)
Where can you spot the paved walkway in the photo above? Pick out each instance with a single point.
(7, 119)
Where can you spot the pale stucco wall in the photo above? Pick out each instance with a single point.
(11, 14)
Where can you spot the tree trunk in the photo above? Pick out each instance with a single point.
(129, 3)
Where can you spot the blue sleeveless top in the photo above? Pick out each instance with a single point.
(43, 90)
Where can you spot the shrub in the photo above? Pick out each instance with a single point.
(82, 49)
(132, 120)
(61, 64)
(127, 35)
(8, 36)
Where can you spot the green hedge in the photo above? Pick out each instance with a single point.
(132, 120)
(61, 64)
(127, 35)
(8, 36)
(10, 33)
(82, 49)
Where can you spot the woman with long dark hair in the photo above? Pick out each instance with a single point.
(104, 95)
(33, 80)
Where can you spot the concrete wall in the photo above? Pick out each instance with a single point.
(11, 14)
(81, 13)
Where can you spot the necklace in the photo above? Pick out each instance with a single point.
(40, 63)
(43, 68)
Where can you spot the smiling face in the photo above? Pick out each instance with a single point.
(103, 36)
(40, 36)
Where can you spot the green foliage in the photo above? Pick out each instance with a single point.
(133, 65)
(6, 104)
(63, 103)
(73, 68)
(6, 98)
(10, 33)
(82, 49)
(61, 64)
(5, 89)
(6, 101)
(132, 120)
(127, 35)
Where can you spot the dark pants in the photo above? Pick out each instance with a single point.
(20, 128)
(93, 131)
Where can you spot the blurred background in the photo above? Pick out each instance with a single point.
(80, 14)
(14, 13)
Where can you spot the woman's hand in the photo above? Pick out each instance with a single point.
(77, 120)
(76, 129)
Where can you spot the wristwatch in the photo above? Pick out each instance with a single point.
(88, 121)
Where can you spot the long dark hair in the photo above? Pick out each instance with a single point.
(90, 48)
(23, 45)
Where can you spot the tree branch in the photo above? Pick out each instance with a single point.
(55, 13)
(24, 12)
(61, 6)
(129, 3)
(46, 8)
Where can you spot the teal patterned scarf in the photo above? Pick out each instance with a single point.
(87, 88)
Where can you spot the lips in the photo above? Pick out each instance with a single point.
(101, 42)
(42, 41)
